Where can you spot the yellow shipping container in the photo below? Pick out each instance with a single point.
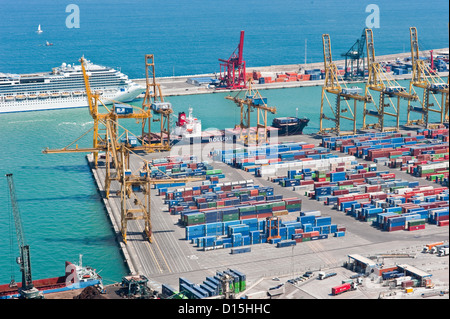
(409, 290)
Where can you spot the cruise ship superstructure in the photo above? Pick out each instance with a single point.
(64, 88)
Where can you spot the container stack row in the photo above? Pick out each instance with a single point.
(210, 203)
(405, 209)
(210, 287)
(308, 226)
(270, 159)
(423, 155)
(179, 167)
(337, 175)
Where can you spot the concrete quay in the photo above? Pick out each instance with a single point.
(178, 85)
(170, 256)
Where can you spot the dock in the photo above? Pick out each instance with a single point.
(179, 85)
(170, 256)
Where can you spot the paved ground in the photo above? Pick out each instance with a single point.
(170, 256)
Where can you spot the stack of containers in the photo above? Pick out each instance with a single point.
(421, 155)
(309, 226)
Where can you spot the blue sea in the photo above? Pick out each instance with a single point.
(62, 212)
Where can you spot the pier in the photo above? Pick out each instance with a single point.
(171, 256)
(178, 85)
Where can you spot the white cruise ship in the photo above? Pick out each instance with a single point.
(64, 88)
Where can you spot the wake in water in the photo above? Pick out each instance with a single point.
(77, 124)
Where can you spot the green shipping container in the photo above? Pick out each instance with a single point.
(230, 217)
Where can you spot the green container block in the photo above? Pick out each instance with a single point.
(230, 217)
(247, 209)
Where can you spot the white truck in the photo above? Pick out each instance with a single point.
(437, 248)
(443, 252)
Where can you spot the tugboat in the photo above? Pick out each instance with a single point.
(290, 125)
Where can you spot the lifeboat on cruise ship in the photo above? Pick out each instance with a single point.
(54, 95)
(65, 94)
(77, 93)
(9, 98)
(32, 96)
(20, 97)
(43, 96)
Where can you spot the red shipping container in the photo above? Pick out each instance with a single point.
(345, 199)
(443, 222)
(417, 227)
(396, 228)
(264, 215)
(251, 216)
(340, 289)
(361, 196)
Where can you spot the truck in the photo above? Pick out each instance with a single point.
(277, 290)
(443, 252)
(342, 288)
(429, 247)
(323, 275)
(437, 248)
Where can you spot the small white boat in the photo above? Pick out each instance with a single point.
(39, 30)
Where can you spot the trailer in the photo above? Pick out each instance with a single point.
(323, 275)
(437, 248)
(443, 252)
(342, 288)
(429, 247)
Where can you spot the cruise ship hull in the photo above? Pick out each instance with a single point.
(52, 103)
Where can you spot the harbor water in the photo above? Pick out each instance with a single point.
(62, 212)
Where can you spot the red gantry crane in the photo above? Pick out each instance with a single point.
(232, 71)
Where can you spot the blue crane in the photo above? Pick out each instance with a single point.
(354, 60)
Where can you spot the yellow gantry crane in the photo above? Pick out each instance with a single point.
(388, 90)
(106, 137)
(138, 207)
(252, 101)
(428, 80)
(331, 85)
(154, 101)
(117, 149)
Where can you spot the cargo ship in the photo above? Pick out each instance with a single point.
(64, 88)
(188, 129)
(290, 125)
(77, 276)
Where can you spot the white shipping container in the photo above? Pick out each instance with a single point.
(399, 280)
(404, 190)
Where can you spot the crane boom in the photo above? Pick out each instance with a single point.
(27, 290)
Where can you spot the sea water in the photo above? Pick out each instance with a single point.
(62, 213)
